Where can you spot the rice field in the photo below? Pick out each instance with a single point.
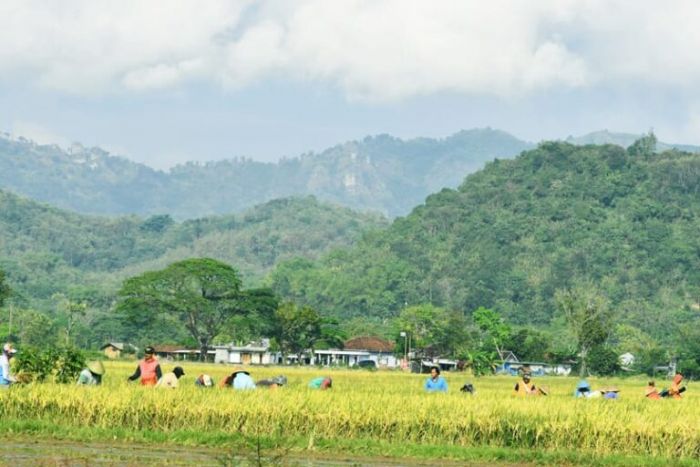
(384, 406)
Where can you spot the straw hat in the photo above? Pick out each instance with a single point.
(611, 389)
(96, 367)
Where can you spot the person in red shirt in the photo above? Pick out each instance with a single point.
(148, 369)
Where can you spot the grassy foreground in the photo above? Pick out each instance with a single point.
(367, 414)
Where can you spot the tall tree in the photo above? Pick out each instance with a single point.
(203, 293)
(434, 330)
(588, 317)
(298, 328)
(258, 318)
(494, 326)
(4, 288)
(72, 310)
(36, 329)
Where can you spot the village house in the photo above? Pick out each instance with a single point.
(254, 353)
(113, 350)
(360, 349)
(329, 357)
(180, 353)
(512, 366)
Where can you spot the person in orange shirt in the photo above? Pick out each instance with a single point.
(676, 390)
(651, 391)
(148, 369)
(525, 387)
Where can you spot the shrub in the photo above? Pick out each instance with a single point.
(62, 365)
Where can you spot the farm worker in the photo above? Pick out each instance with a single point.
(273, 383)
(525, 387)
(6, 378)
(148, 369)
(239, 379)
(435, 383)
(676, 390)
(92, 375)
(169, 380)
(322, 382)
(469, 389)
(583, 389)
(204, 381)
(651, 391)
(611, 393)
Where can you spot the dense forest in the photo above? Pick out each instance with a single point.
(50, 255)
(518, 231)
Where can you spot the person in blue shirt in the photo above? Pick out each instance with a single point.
(611, 393)
(239, 380)
(435, 383)
(583, 389)
(8, 351)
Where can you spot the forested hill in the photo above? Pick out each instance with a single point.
(515, 232)
(45, 250)
(382, 174)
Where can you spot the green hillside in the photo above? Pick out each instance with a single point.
(517, 231)
(45, 250)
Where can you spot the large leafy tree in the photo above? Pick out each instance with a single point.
(433, 330)
(258, 316)
(202, 293)
(298, 328)
(494, 326)
(588, 316)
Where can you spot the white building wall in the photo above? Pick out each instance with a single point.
(221, 356)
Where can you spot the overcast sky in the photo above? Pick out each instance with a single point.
(163, 82)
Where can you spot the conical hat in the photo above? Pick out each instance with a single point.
(96, 367)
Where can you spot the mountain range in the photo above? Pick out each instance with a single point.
(381, 173)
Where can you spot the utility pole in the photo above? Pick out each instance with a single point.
(9, 330)
(404, 334)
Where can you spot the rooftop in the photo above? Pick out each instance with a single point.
(370, 343)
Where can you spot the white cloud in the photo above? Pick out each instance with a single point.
(87, 46)
(370, 49)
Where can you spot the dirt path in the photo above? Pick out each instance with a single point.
(26, 452)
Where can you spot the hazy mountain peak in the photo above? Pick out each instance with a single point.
(380, 173)
(625, 140)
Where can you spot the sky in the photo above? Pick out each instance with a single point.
(167, 81)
